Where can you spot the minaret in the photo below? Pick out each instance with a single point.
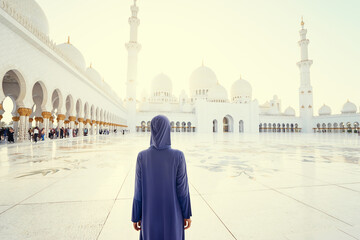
(305, 90)
(133, 48)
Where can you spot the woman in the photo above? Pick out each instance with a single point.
(161, 205)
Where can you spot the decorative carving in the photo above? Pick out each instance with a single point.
(61, 117)
(46, 115)
(16, 119)
(31, 120)
(1, 107)
(1, 117)
(81, 120)
(72, 118)
(22, 111)
(39, 119)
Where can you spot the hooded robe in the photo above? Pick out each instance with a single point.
(161, 199)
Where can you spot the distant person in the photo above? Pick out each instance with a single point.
(11, 136)
(161, 205)
(36, 134)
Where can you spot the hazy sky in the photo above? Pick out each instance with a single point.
(257, 39)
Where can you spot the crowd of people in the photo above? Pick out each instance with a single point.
(35, 134)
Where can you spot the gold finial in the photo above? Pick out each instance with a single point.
(90, 65)
(68, 41)
(302, 21)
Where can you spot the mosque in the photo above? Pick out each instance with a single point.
(36, 74)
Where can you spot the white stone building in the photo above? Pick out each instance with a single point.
(209, 108)
(49, 84)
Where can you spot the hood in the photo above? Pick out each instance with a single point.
(160, 132)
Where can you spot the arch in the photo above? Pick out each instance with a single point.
(183, 126)
(172, 124)
(323, 128)
(189, 126)
(177, 126)
(283, 127)
(14, 86)
(143, 126)
(148, 128)
(79, 108)
(278, 127)
(349, 127)
(228, 123)
(260, 127)
(287, 127)
(57, 101)
(215, 125)
(69, 105)
(342, 127)
(274, 127)
(336, 127)
(241, 126)
(39, 96)
(292, 127)
(356, 127)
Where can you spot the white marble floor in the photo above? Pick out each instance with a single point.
(259, 187)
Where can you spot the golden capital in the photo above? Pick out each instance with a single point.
(88, 121)
(16, 119)
(1, 107)
(61, 117)
(1, 117)
(76, 123)
(97, 122)
(31, 120)
(46, 115)
(52, 118)
(81, 120)
(72, 118)
(22, 111)
(66, 121)
(29, 111)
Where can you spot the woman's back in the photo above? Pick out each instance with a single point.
(161, 200)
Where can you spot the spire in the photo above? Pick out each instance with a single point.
(135, 2)
(302, 22)
(68, 41)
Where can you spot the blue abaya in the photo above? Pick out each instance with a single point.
(161, 199)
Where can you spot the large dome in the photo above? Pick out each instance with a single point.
(93, 75)
(241, 91)
(202, 78)
(349, 107)
(289, 111)
(73, 54)
(217, 94)
(325, 110)
(31, 10)
(162, 84)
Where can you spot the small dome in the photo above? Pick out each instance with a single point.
(93, 75)
(266, 105)
(217, 94)
(349, 107)
(325, 110)
(202, 78)
(241, 90)
(162, 84)
(73, 54)
(289, 111)
(31, 11)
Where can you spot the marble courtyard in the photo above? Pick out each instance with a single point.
(262, 187)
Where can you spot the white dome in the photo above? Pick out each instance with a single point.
(349, 107)
(266, 105)
(32, 11)
(325, 110)
(73, 54)
(202, 78)
(162, 83)
(289, 111)
(93, 75)
(217, 94)
(241, 89)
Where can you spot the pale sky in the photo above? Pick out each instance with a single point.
(257, 39)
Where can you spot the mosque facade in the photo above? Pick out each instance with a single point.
(50, 85)
(208, 107)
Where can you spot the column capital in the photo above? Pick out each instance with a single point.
(72, 118)
(39, 119)
(61, 117)
(88, 121)
(16, 119)
(66, 121)
(31, 120)
(97, 122)
(81, 120)
(1, 107)
(1, 117)
(46, 115)
(24, 111)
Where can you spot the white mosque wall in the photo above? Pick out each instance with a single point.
(336, 123)
(239, 117)
(34, 61)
